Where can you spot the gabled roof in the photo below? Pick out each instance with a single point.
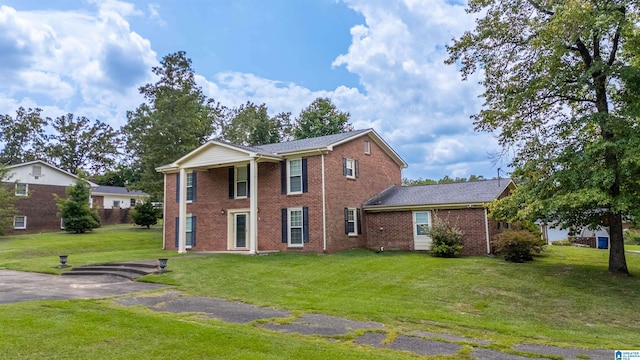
(461, 194)
(42, 163)
(116, 190)
(278, 151)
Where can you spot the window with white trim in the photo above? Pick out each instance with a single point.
(22, 189)
(421, 221)
(350, 168)
(294, 171)
(19, 222)
(116, 203)
(351, 221)
(189, 186)
(241, 182)
(296, 233)
(367, 147)
(189, 227)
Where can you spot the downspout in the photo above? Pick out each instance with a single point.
(253, 207)
(164, 215)
(324, 211)
(486, 229)
(182, 220)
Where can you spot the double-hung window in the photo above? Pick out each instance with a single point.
(295, 176)
(190, 186)
(296, 234)
(20, 222)
(22, 189)
(132, 202)
(352, 224)
(350, 168)
(241, 182)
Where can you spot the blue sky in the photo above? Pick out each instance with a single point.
(380, 60)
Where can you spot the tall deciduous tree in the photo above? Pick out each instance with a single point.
(251, 125)
(7, 202)
(23, 136)
(321, 118)
(176, 119)
(557, 78)
(76, 144)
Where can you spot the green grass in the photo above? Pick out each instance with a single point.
(565, 297)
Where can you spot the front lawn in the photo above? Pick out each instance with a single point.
(565, 297)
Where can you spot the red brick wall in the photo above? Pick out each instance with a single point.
(394, 229)
(377, 172)
(40, 208)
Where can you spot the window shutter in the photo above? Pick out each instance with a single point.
(178, 187)
(283, 177)
(194, 187)
(305, 223)
(284, 226)
(193, 230)
(177, 230)
(346, 220)
(248, 180)
(305, 182)
(359, 221)
(232, 183)
(356, 165)
(344, 166)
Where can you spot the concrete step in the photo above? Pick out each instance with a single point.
(124, 274)
(140, 271)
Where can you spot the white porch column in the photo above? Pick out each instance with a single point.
(182, 222)
(253, 206)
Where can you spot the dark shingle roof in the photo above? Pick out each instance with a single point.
(452, 193)
(307, 144)
(117, 190)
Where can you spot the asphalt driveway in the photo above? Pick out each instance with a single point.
(17, 286)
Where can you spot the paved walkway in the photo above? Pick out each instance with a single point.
(18, 286)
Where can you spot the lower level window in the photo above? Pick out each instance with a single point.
(296, 237)
(189, 231)
(20, 222)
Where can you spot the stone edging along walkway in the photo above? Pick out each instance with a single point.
(372, 333)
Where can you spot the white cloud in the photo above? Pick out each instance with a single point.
(76, 60)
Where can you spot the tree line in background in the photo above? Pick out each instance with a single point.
(175, 118)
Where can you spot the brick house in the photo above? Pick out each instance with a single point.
(35, 183)
(311, 195)
(304, 195)
(394, 217)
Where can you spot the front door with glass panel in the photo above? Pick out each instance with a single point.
(240, 231)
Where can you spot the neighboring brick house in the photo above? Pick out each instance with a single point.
(35, 183)
(394, 217)
(310, 194)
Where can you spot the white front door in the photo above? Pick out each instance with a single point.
(421, 220)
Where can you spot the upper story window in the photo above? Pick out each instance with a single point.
(241, 182)
(22, 189)
(295, 176)
(350, 168)
(36, 171)
(367, 147)
(190, 186)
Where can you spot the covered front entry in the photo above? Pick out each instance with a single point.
(238, 225)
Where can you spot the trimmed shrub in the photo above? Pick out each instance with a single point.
(517, 245)
(565, 242)
(145, 214)
(446, 240)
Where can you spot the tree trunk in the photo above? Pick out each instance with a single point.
(617, 259)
